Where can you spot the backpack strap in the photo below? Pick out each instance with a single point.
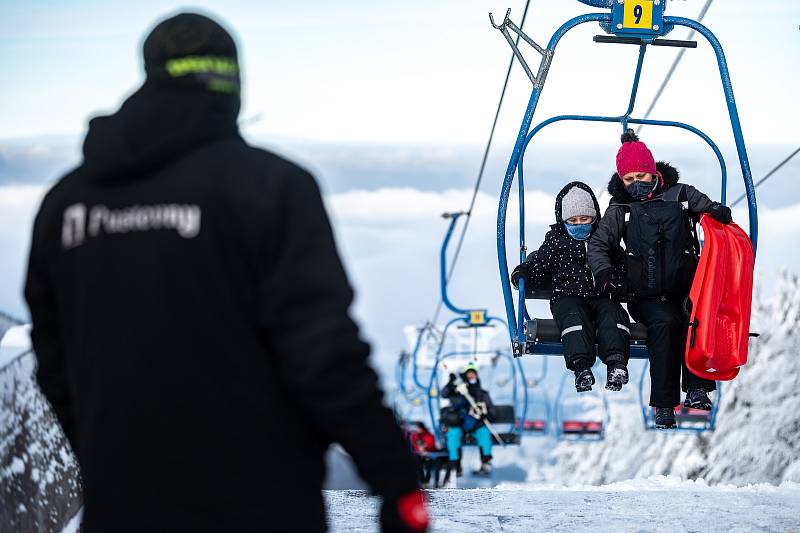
(676, 193)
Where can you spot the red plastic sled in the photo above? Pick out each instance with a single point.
(722, 293)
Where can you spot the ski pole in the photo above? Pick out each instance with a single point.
(462, 389)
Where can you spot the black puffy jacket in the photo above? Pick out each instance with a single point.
(461, 405)
(560, 263)
(611, 230)
(190, 319)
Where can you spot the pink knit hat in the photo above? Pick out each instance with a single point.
(635, 156)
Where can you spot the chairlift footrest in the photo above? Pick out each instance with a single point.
(638, 41)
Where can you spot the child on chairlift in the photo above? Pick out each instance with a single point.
(585, 316)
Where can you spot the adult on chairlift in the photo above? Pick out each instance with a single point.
(470, 409)
(653, 214)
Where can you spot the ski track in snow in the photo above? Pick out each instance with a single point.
(655, 504)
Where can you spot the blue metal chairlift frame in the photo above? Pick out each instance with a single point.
(534, 383)
(518, 317)
(467, 318)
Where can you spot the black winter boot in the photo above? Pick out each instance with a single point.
(617, 376)
(697, 399)
(486, 466)
(665, 418)
(453, 468)
(584, 379)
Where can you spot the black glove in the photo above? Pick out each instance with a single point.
(524, 271)
(602, 280)
(721, 213)
(406, 514)
(451, 379)
(606, 284)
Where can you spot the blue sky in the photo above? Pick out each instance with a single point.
(389, 72)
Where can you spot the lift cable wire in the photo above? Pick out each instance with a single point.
(769, 174)
(674, 66)
(482, 168)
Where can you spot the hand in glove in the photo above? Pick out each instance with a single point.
(606, 284)
(406, 514)
(721, 213)
(524, 271)
(451, 379)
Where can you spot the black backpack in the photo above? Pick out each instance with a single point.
(661, 245)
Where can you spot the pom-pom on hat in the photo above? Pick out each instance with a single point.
(635, 156)
(577, 203)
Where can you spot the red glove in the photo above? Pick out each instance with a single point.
(406, 514)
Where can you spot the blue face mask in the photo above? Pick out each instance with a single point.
(642, 189)
(579, 232)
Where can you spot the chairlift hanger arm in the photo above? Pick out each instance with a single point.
(472, 317)
(603, 4)
(512, 165)
(547, 55)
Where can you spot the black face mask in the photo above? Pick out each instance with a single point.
(641, 190)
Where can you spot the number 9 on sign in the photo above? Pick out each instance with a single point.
(638, 14)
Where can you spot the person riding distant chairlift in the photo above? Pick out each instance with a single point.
(653, 214)
(585, 316)
(461, 418)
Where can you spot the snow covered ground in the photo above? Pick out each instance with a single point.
(632, 481)
(657, 503)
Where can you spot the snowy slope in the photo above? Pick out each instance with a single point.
(655, 504)
(758, 428)
(39, 487)
(757, 441)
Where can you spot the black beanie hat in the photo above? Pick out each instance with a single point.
(192, 49)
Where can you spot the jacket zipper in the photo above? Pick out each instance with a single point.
(662, 274)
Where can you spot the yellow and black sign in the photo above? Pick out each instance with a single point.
(477, 318)
(638, 15)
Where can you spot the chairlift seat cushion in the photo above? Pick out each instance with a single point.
(504, 414)
(546, 330)
(534, 425)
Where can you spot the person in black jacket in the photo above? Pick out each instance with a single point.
(660, 265)
(190, 317)
(583, 315)
(462, 418)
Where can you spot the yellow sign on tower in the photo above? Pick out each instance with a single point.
(638, 14)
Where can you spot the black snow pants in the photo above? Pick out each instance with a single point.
(585, 322)
(666, 325)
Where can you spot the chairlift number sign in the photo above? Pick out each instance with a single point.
(638, 14)
(477, 317)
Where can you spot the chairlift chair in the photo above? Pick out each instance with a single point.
(639, 22)
(579, 428)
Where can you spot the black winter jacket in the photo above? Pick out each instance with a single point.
(190, 320)
(460, 403)
(560, 262)
(611, 230)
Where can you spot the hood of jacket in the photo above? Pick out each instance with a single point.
(617, 189)
(559, 225)
(156, 124)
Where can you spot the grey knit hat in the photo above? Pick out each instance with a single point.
(577, 202)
